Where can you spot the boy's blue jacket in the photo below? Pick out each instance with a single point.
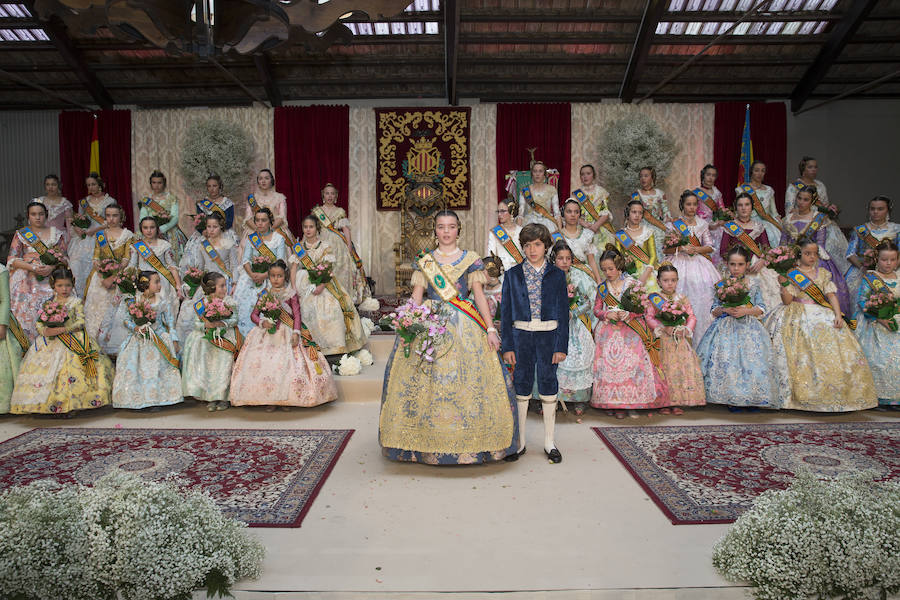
(514, 305)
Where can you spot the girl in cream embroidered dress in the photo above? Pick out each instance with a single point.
(459, 410)
(344, 266)
(644, 236)
(81, 249)
(542, 194)
(599, 199)
(100, 299)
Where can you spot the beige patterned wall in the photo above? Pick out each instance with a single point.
(157, 137)
(691, 124)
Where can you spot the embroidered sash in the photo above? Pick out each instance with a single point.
(251, 201)
(865, 235)
(83, 350)
(758, 207)
(261, 247)
(219, 341)
(507, 243)
(589, 207)
(211, 252)
(809, 286)
(34, 241)
(210, 207)
(736, 231)
(706, 199)
(153, 205)
(320, 214)
(682, 228)
(163, 349)
(305, 336)
(576, 262)
(343, 300)
(648, 216)
(89, 211)
(632, 247)
(16, 330)
(638, 325)
(813, 226)
(103, 243)
(150, 256)
(875, 281)
(446, 289)
(526, 193)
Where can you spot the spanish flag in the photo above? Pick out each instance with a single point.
(95, 150)
(746, 150)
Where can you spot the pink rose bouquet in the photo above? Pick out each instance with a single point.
(270, 307)
(733, 292)
(141, 312)
(107, 267)
(882, 305)
(192, 277)
(672, 314)
(53, 313)
(320, 274)
(782, 259)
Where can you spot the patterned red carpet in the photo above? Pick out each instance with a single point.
(712, 473)
(266, 478)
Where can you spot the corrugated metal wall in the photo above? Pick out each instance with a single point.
(29, 150)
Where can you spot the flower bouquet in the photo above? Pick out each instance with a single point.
(260, 264)
(200, 223)
(733, 292)
(320, 274)
(51, 258)
(831, 210)
(630, 267)
(634, 299)
(192, 277)
(674, 240)
(53, 314)
(269, 307)
(723, 214)
(672, 314)
(141, 312)
(883, 305)
(868, 258)
(160, 220)
(782, 259)
(108, 267)
(216, 310)
(125, 280)
(82, 222)
(422, 330)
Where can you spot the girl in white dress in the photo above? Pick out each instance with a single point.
(580, 240)
(81, 247)
(265, 243)
(508, 251)
(766, 195)
(102, 294)
(539, 201)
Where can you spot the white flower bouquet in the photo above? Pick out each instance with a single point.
(349, 366)
(365, 357)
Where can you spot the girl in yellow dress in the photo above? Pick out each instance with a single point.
(827, 369)
(63, 371)
(637, 242)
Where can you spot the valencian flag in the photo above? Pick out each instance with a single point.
(95, 150)
(746, 150)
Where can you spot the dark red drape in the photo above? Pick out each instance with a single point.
(768, 132)
(312, 148)
(546, 127)
(114, 133)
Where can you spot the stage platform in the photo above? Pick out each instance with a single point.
(529, 530)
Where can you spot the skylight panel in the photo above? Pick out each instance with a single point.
(15, 11)
(794, 5)
(431, 27)
(807, 27)
(424, 6)
(757, 29)
(741, 29)
(811, 5)
(676, 5)
(693, 28)
(677, 28)
(821, 26)
(709, 28)
(791, 28)
(728, 8)
(711, 5)
(776, 5)
(775, 28)
(382, 28)
(723, 27)
(827, 4)
(727, 5)
(693, 5)
(662, 28)
(366, 28)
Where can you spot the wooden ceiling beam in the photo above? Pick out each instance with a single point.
(641, 48)
(56, 31)
(837, 41)
(451, 48)
(264, 68)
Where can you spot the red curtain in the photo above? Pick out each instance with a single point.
(768, 132)
(546, 127)
(114, 132)
(312, 148)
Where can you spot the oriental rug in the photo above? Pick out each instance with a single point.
(266, 478)
(712, 473)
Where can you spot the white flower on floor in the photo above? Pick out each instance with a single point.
(369, 305)
(368, 325)
(349, 365)
(365, 357)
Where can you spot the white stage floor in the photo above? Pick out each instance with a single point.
(579, 530)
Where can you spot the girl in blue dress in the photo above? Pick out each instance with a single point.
(265, 242)
(866, 237)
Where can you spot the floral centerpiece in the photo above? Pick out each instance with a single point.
(782, 259)
(82, 222)
(192, 278)
(216, 310)
(53, 313)
(270, 307)
(733, 292)
(674, 239)
(141, 312)
(108, 267)
(319, 274)
(881, 304)
(672, 314)
(126, 280)
(422, 330)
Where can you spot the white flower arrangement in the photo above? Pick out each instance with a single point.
(349, 366)
(627, 145)
(368, 325)
(818, 539)
(216, 146)
(365, 357)
(369, 305)
(125, 538)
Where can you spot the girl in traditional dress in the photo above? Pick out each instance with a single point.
(283, 368)
(429, 412)
(575, 373)
(162, 206)
(836, 241)
(336, 233)
(210, 348)
(678, 361)
(147, 372)
(656, 206)
(102, 295)
(828, 371)
(29, 281)
(216, 203)
(11, 346)
(539, 202)
(595, 214)
(736, 356)
(748, 233)
(264, 244)
(580, 240)
(59, 209)
(879, 338)
(327, 308)
(212, 253)
(503, 240)
(710, 200)
(805, 222)
(63, 371)
(637, 242)
(626, 377)
(82, 243)
(493, 286)
(866, 237)
(695, 273)
(267, 197)
(766, 196)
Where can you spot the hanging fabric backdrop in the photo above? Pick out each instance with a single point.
(114, 134)
(434, 141)
(311, 149)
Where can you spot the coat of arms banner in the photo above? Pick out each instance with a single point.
(422, 145)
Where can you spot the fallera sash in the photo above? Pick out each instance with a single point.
(343, 300)
(16, 330)
(576, 262)
(103, 243)
(83, 350)
(153, 205)
(875, 281)
(261, 247)
(631, 247)
(305, 336)
(219, 341)
(211, 252)
(809, 286)
(685, 231)
(89, 211)
(254, 204)
(526, 193)
(210, 207)
(589, 207)
(34, 241)
(706, 199)
(865, 235)
(736, 231)
(813, 226)
(150, 256)
(648, 216)
(638, 325)
(507, 243)
(320, 214)
(758, 207)
(445, 288)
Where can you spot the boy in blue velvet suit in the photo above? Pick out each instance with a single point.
(534, 325)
